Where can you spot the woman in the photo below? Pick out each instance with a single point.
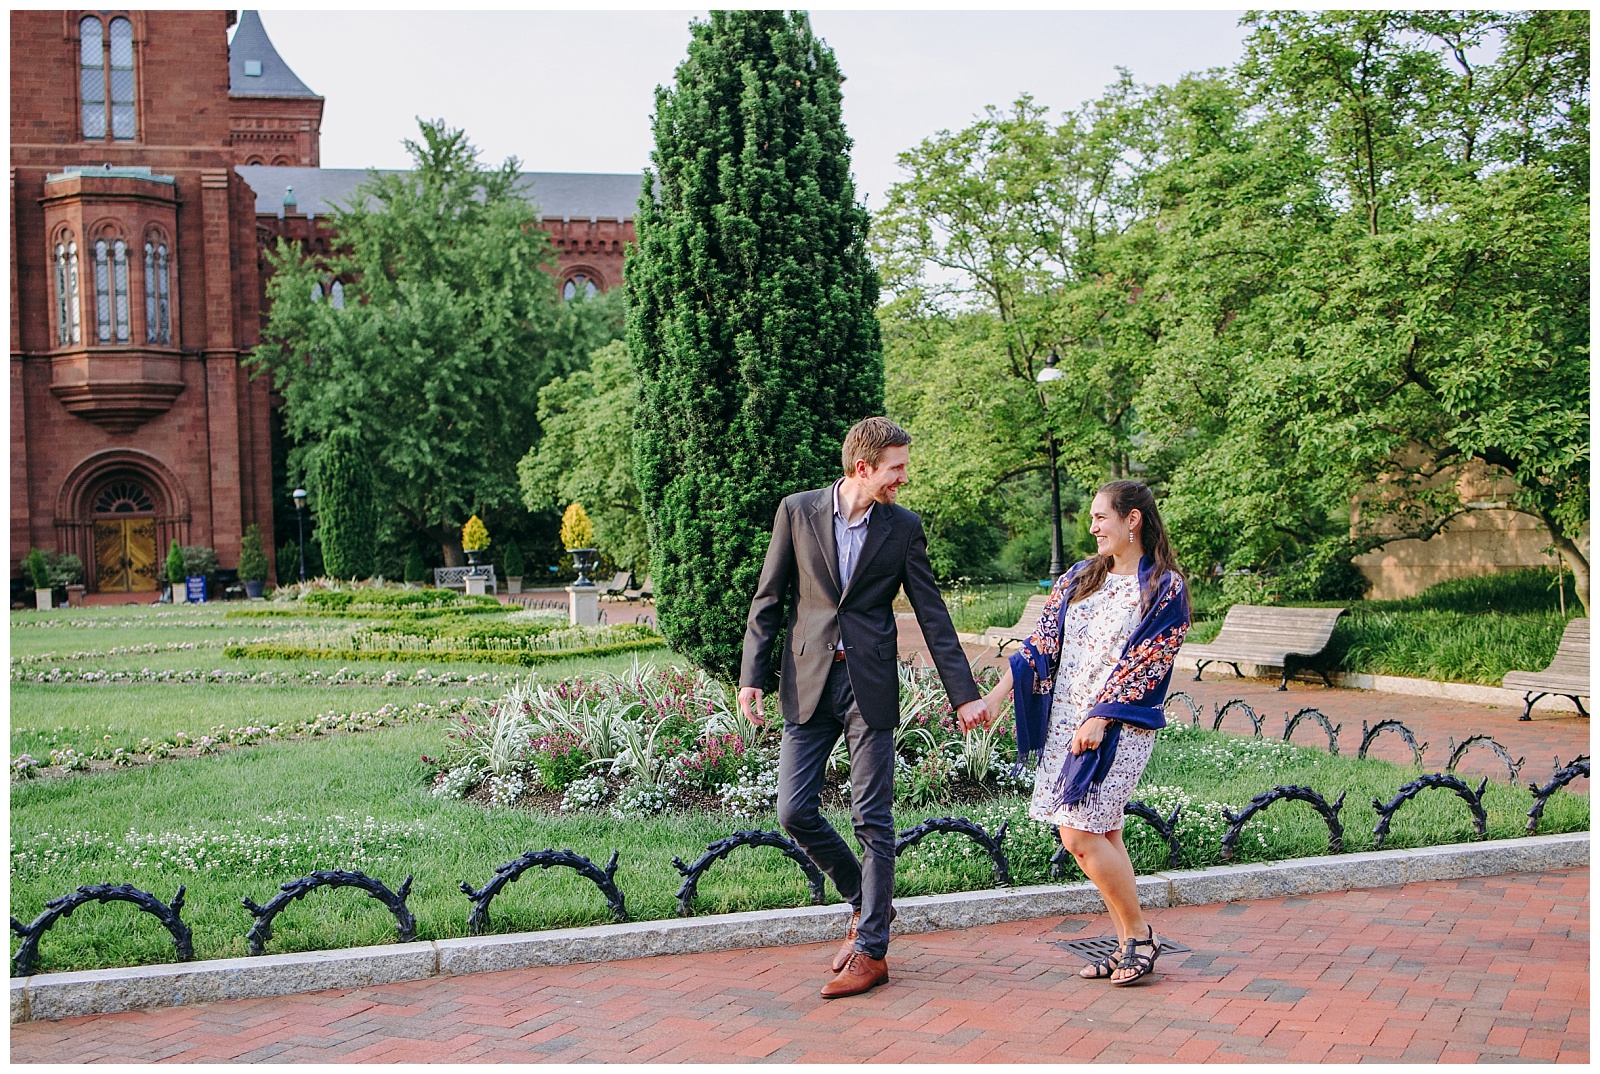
(1090, 682)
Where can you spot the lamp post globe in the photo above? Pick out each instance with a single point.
(300, 521)
(1045, 376)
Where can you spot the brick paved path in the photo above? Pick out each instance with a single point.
(1452, 971)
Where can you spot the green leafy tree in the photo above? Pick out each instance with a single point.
(451, 324)
(347, 515)
(751, 321)
(175, 565)
(992, 248)
(1400, 307)
(586, 453)
(515, 567)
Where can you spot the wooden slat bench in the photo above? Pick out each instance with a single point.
(1274, 637)
(1018, 631)
(1567, 675)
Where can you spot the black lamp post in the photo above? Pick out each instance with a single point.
(300, 519)
(1047, 374)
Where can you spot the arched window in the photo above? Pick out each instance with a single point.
(123, 498)
(119, 286)
(106, 81)
(316, 292)
(336, 295)
(102, 291)
(157, 292)
(92, 76)
(579, 284)
(68, 330)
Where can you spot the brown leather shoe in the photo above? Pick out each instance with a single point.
(841, 956)
(860, 973)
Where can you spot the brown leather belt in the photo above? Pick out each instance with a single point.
(838, 655)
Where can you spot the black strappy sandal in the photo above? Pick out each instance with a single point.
(1102, 968)
(1142, 965)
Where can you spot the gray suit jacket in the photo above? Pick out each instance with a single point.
(803, 562)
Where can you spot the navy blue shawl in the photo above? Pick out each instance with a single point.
(1133, 694)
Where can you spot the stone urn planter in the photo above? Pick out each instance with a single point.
(42, 599)
(514, 585)
(75, 595)
(474, 557)
(254, 587)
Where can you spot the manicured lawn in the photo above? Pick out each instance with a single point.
(239, 822)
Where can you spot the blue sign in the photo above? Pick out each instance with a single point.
(196, 589)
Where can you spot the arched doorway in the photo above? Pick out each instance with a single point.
(124, 514)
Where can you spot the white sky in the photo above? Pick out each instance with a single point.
(574, 91)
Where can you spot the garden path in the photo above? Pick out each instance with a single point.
(1434, 721)
(1492, 969)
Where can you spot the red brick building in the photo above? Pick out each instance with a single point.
(151, 163)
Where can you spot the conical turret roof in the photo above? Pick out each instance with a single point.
(254, 67)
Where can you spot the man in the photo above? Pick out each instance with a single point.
(843, 552)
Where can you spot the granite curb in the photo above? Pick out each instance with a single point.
(65, 995)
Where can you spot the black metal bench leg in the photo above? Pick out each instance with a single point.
(1527, 704)
(1578, 702)
(1284, 685)
(1199, 666)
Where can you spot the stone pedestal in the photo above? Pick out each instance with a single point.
(583, 605)
(75, 596)
(476, 587)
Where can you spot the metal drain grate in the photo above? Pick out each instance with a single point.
(1100, 947)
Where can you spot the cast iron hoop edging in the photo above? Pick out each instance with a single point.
(1579, 766)
(991, 844)
(511, 871)
(25, 963)
(288, 892)
(1321, 718)
(1405, 732)
(720, 849)
(1458, 752)
(1194, 709)
(1292, 792)
(1474, 800)
(1166, 827)
(1255, 721)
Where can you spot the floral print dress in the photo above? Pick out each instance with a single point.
(1094, 631)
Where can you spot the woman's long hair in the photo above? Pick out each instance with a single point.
(1126, 497)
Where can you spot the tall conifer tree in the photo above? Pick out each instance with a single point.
(752, 327)
(347, 513)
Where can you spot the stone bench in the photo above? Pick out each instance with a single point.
(456, 577)
(1567, 675)
(1018, 631)
(1274, 637)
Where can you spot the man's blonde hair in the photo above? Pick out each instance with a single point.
(866, 440)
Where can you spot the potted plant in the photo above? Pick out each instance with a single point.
(474, 539)
(577, 536)
(66, 574)
(174, 570)
(514, 567)
(39, 571)
(252, 562)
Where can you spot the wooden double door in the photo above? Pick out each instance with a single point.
(125, 555)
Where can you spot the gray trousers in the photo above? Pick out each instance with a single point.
(867, 883)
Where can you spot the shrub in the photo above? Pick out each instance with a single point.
(474, 535)
(416, 570)
(513, 563)
(198, 560)
(559, 756)
(347, 514)
(175, 564)
(576, 529)
(252, 558)
(38, 569)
